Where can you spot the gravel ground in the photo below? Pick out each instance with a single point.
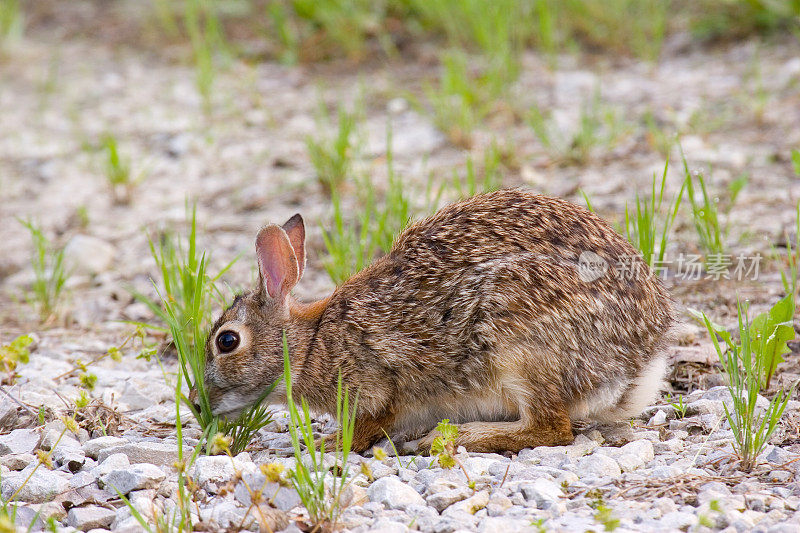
(738, 109)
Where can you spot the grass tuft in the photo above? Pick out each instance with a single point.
(183, 270)
(710, 220)
(352, 245)
(12, 355)
(332, 157)
(598, 125)
(746, 365)
(49, 271)
(187, 295)
(648, 224)
(117, 170)
(320, 488)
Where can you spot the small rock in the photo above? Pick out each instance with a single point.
(92, 447)
(780, 456)
(91, 517)
(353, 495)
(471, 505)
(619, 434)
(8, 414)
(284, 498)
(17, 461)
(498, 504)
(597, 464)
(117, 461)
(88, 255)
(705, 406)
(213, 469)
(139, 394)
(55, 432)
(671, 445)
(43, 486)
(444, 499)
(393, 493)
(505, 525)
(385, 525)
(380, 470)
(69, 455)
(542, 491)
(713, 490)
(157, 453)
(665, 505)
(136, 477)
(658, 419)
(27, 519)
(666, 471)
(635, 455)
(225, 515)
(784, 527)
(677, 520)
(19, 441)
(779, 476)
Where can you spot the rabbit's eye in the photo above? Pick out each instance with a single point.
(227, 341)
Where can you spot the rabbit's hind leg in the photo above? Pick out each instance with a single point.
(369, 429)
(496, 437)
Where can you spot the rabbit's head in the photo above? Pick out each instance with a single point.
(244, 349)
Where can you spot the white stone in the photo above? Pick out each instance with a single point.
(17, 461)
(284, 498)
(157, 453)
(136, 477)
(43, 485)
(88, 255)
(19, 441)
(658, 419)
(393, 493)
(677, 520)
(542, 491)
(138, 394)
(671, 445)
(498, 504)
(384, 525)
(505, 525)
(441, 500)
(666, 471)
(91, 517)
(597, 464)
(705, 406)
(635, 455)
(471, 505)
(226, 515)
(69, 455)
(92, 447)
(212, 469)
(117, 461)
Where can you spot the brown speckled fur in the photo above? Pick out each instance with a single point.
(477, 314)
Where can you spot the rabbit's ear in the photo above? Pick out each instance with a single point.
(295, 228)
(276, 262)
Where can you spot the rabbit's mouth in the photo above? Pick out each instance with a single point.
(231, 404)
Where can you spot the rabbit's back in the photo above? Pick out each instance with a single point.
(486, 297)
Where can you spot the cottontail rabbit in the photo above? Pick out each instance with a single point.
(507, 313)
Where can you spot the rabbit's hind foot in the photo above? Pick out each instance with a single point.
(498, 437)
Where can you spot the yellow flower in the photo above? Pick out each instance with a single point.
(273, 472)
(378, 453)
